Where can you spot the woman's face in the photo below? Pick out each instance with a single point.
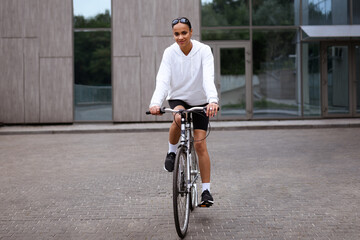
(182, 35)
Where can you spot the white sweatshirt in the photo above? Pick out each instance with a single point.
(189, 78)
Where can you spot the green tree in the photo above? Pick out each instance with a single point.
(225, 13)
(318, 17)
(272, 48)
(92, 50)
(273, 12)
(102, 20)
(93, 58)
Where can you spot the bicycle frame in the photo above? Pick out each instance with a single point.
(186, 140)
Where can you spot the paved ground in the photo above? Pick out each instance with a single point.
(164, 126)
(267, 184)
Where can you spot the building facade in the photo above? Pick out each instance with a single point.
(66, 61)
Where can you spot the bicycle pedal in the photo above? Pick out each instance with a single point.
(205, 204)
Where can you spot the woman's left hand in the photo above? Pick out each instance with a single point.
(212, 109)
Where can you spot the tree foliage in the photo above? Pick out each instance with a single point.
(273, 12)
(93, 58)
(92, 51)
(225, 13)
(317, 16)
(102, 20)
(236, 13)
(271, 49)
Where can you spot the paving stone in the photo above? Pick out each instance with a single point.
(267, 184)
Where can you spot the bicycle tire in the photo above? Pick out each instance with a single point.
(181, 198)
(194, 168)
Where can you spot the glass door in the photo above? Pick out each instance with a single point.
(340, 79)
(357, 77)
(233, 79)
(336, 94)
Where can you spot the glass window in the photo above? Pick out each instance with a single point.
(232, 81)
(275, 81)
(92, 14)
(311, 79)
(215, 13)
(92, 60)
(326, 12)
(273, 12)
(92, 76)
(356, 12)
(357, 77)
(225, 34)
(338, 79)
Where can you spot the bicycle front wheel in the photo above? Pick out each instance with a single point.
(181, 196)
(194, 173)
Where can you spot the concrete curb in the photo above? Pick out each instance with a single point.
(164, 126)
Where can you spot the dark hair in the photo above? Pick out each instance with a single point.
(181, 20)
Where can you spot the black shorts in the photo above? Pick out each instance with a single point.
(200, 120)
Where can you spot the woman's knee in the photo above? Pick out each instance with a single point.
(200, 147)
(177, 119)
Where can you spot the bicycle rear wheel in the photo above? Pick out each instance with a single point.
(181, 197)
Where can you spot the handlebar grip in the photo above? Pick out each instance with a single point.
(162, 111)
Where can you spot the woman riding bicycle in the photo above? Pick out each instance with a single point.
(186, 79)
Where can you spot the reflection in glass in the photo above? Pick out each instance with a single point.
(216, 13)
(275, 80)
(93, 98)
(92, 14)
(311, 79)
(357, 77)
(273, 12)
(356, 12)
(326, 12)
(338, 79)
(232, 79)
(225, 34)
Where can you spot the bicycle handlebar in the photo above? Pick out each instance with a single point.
(193, 109)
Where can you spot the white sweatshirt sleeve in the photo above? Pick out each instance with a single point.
(162, 81)
(208, 75)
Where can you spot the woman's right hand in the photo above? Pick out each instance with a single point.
(155, 110)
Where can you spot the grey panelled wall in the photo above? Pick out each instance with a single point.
(36, 57)
(31, 81)
(126, 92)
(56, 68)
(11, 80)
(141, 32)
(36, 73)
(126, 60)
(54, 88)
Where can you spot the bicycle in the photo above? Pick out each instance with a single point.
(186, 171)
